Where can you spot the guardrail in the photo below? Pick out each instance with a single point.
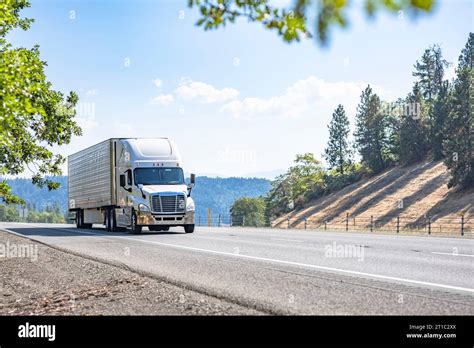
(459, 225)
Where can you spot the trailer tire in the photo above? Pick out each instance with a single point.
(189, 228)
(110, 220)
(134, 228)
(79, 218)
(107, 220)
(113, 220)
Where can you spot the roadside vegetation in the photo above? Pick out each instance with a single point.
(433, 122)
(34, 117)
(28, 213)
(297, 22)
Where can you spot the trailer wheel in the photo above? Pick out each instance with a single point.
(113, 220)
(79, 218)
(135, 229)
(189, 228)
(108, 220)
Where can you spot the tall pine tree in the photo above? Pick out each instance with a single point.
(430, 73)
(440, 112)
(459, 143)
(413, 141)
(337, 153)
(370, 135)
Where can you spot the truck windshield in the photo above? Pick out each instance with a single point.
(159, 176)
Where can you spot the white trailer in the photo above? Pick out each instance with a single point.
(130, 183)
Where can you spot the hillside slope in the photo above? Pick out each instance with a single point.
(414, 198)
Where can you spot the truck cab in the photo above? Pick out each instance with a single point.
(151, 186)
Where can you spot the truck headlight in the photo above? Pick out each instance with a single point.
(190, 206)
(143, 207)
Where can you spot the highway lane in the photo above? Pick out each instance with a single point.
(281, 271)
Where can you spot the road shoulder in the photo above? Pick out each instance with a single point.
(47, 281)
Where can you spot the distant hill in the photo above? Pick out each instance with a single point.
(218, 194)
(412, 193)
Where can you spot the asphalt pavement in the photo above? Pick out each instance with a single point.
(288, 271)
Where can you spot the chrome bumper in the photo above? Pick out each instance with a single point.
(147, 218)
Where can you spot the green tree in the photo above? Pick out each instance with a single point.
(33, 117)
(459, 143)
(413, 141)
(424, 71)
(337, 153)
(307, 173)
(248, 211)
(430, 73)
(288, 190)
(440, 112)
(394, 112)
(9, 213)
(292, 24)
(370, 135)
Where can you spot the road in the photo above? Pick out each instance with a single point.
(288, 271)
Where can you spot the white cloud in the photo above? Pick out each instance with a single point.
(204, 93)
(158, 83)
(163, 99)
(311, 93)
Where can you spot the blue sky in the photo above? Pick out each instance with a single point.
(238, 101)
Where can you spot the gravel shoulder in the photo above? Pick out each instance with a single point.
(53, 282)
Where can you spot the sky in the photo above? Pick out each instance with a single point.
(238, 101)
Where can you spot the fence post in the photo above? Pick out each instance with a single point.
(429, 225)
(208, 217)
(398, 224)
(347, 221)
(305, 223)
(199, 220)
(230, 221)
(243, 221)
(371, 223)
(325, 225)
(288, 222)
(219, 221)
(462, 225)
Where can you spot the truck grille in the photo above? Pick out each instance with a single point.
(167, 203)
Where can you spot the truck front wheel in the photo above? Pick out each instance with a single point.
(189, 228)
(135, 229)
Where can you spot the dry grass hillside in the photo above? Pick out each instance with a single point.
(408, 199)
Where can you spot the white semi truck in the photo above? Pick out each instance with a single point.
(130, 183)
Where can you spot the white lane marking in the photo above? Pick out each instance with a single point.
(370, 275)
(451, 254)
(287, 240)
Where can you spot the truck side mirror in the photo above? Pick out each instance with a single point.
(122, 180)
(193, 179)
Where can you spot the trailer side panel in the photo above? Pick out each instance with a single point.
(90, 173)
